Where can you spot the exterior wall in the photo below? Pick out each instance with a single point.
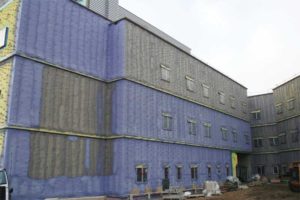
(133, 152)
(144, 55)
(142, 108)
(66, 34)
(9, 17)
(53, 99)
(274, 124)
(285, 92)
(265, 103)
(37, 173)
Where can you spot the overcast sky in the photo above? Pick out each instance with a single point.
(255, 42)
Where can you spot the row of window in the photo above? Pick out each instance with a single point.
(190, 86)
(290, 105)
(277, 140)
(192, 129)
(142, 172)
(276, 169)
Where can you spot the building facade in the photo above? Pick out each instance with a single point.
(94, 104)
(275, 129)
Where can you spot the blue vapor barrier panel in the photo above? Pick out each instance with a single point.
(138, 111)
(116, 51)
(17, 161)
(24, 106)
(63, 33)
(155, 156)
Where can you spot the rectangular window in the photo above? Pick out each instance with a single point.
(209, 171)
(295, 135)
(275, 169)
(256, 115)
(141, 174)
(207, 130)
(260, 170)
(3, 37)
(192, 127)
(232, 102)
(166, 172)
(258, 142)
(179, 172)
(227, 170)
(224, 132)
(205, 90)
(279, 108)
(274, 141)
(167, 121)
(194, 172)
(247, 139)
(190, 83)
(282, 138)
(291, 104)
(222, 97)
(234, 136)
(165, 73)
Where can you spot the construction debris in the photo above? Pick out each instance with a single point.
(211, 188)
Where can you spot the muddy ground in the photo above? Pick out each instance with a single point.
(262, 192)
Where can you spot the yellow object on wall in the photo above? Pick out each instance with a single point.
(234, 161)
(8, 18)
(5, 74)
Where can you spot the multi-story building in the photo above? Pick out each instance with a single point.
(275, 123)
(95, 101)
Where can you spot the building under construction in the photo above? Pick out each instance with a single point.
(96, 101)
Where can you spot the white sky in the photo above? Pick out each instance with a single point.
(255, 42)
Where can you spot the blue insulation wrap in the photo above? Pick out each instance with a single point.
(26, 89)
(142, 108)
(63, 33)
(17, 160)
(155, 155)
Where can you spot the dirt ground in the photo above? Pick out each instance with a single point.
(263, 192)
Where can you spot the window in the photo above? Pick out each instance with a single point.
(141, 173)
(224, 132)
(227, 170)
(232, 102)
(179, 172)
(82, 2)
(274, 141)
(244, 108)
(207, 131)
(205, 90)
(247, 139)
(279, 108)
(166, 172)
(192, 126)
(234, 136)
(167, 121)
(295, 135)
(260, 170)
(194, 172)
(190, 83)
(222, 97)
(291, 104)
(165, 73)
(282, 138)
(258, 142)
(275, 169)
(256, 115)
(209, 171)
(3, 37)
(218, 169)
